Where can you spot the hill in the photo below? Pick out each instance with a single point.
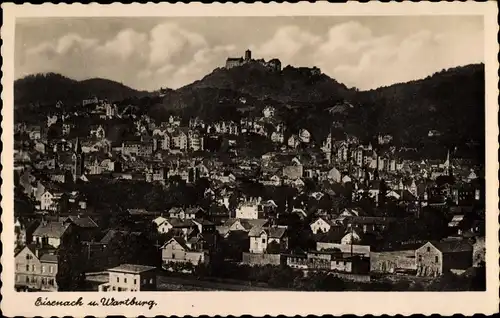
(288, 86)
(50, 88)
(450, 103)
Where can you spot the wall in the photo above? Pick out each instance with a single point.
(426, 261)
(320, 224)
(170, 254)
(134, 281)
(258, 244)
(247, 212)
(388, 262)
(478, 251)
(261, 259)
(353, 277)
(345, 248)
(341, 265)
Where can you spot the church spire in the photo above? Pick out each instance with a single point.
(447, 163)
(78, 146)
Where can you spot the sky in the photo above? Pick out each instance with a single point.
(148, 53)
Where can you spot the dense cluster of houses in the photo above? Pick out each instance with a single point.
(253, 226)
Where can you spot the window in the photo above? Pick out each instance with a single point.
(436, 259)
(33, 267)
(135, 281)
(263, 240)
(51, 270)
(151, 281)
(420, 258)
(27, 267)
(173, 256)
(27, 279)
(43, 269)
(125, 280)
(118, 279)
(428, 249)
(144, 281)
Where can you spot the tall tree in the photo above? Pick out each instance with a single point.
(70, 272)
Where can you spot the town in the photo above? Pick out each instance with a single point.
(248, 204)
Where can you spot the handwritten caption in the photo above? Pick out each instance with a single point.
(104, 302)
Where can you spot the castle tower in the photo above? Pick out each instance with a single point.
(248, 55)
(78, 161)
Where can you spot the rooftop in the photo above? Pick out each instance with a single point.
(131, 268)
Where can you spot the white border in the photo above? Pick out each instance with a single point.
(259, 303)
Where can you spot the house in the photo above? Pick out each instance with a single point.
(298, 183)
(277, 137)
(156, 174)
(194, 213)
(48, 200)
(368, 224)
(346, 179)
(274, 180)
(179, 139)
(35, 269)
(268, 111)
(237, 225)
(177, 250)
(293, 141)
(321, 225)
(181, 228)
(204, 226)
(131, 147)
(159, 220)
(304, 136)
(98, 132)
(87, 228)
(436, 258)
(262, 237)
(130, 278)
(35, 133)
(342, 152)
(350, 238)
(293, 171)
(250, 209)
(177, 213)
(195, 141)
(334, 175)
(51, 233)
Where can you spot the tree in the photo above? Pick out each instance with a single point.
(273, 248)
(70, 272)
(382, 193)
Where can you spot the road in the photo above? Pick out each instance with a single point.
(191, 284)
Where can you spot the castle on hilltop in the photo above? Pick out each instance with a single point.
(273, 65)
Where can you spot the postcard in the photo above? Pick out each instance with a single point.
(230, 159)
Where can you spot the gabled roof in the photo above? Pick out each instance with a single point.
(274, 232)
(453, 246)
(112, 233)
(179, 241)
(82, 221)
(131, 268)
(31, 247)
(51, 229)
(49, 258)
